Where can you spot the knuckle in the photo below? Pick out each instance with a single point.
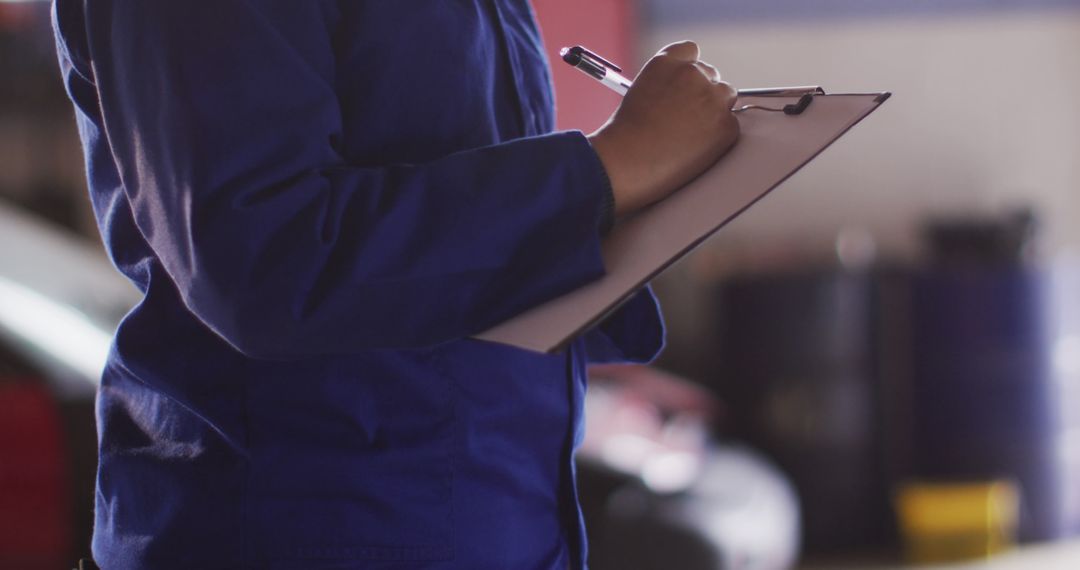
(687, 71)
(663, 60)
(728, 94)
(681, 50)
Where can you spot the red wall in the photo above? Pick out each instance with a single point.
(607, 27)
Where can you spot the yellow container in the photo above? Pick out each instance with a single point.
(945, 522)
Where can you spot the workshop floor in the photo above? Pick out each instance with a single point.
(1058, 556)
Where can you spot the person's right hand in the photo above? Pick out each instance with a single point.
(675, 122)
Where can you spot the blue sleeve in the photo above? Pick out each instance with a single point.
(222, 116)
(634, 333)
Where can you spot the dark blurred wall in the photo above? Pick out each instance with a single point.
(41, 165)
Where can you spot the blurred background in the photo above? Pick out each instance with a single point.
(876, 366)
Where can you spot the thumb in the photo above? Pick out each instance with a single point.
(685, 50)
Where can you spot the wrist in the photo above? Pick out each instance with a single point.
(613, 158)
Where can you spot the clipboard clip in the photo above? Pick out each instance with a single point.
(805, 93)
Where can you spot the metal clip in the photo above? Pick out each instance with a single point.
(789, 109)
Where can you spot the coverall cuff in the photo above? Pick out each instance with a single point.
(607, 207)
(634, 333)
(607, 203)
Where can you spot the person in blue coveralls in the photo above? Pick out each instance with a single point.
(321, 200)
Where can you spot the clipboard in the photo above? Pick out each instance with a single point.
(782, 130)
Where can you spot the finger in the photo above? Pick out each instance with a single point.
(685, 51)
(708, 71)
(728, 94)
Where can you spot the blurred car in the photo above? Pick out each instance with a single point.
(60, 301)
(659, 491)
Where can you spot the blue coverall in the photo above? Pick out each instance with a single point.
(321, 201)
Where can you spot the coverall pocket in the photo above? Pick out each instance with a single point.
(356, 463)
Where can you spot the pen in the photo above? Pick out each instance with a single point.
(597, 67)
(610, 75)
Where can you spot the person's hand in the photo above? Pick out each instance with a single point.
(675, 122)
